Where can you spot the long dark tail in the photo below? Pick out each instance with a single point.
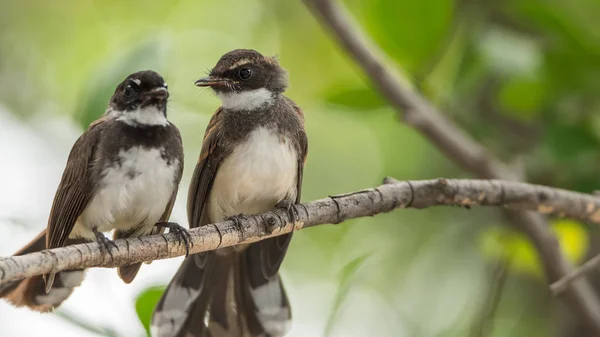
(223, 294)
(31, 292)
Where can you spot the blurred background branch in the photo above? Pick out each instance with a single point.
(456, 144)
(587, 267)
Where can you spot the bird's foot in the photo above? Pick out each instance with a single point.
(291, 208)
(106, 245)
(237, 221)
(182, 233)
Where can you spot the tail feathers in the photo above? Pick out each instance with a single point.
(220, 298)
(182, 308)
(263, 295)
(32, 293)
(126, 273)
(271, 308)
(36, 245)
(226, 313)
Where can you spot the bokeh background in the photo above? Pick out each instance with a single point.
(521, 76)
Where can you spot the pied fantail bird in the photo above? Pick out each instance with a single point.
(122, 173)
(252, 160)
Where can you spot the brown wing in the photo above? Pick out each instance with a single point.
(75, 188)
(210, 158)
(302, 153)
(167, 214)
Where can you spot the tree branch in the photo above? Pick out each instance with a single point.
(561, 285)
(456, 144)
(335, 209)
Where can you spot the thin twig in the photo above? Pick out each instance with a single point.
(561, 285)
(73, 318)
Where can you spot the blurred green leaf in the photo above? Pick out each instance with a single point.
(502, 242)
(574, 22)
(594, 123)
(357, 98)
(522, 98)
(346, 280)
(570, 29)
(566, 141)
(585, 183)
(145, 304)
(442, 76)
(398, 26)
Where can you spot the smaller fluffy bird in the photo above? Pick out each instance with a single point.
(252, 160)
(123, 174)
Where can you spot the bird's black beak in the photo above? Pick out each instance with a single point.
(210, 81)
(160, 94)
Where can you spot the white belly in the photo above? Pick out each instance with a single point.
(135, 193)
(255, 177)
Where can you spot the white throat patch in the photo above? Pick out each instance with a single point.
(245, 100)
(149, 115)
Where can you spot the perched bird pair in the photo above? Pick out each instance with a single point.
(123, 174)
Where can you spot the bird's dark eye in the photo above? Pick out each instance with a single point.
(245, 73)
(128, 91)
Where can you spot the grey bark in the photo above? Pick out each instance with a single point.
(332, 210)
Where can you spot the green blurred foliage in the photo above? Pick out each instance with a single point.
(102, 84)
(145, 304)
(346, 279)
(520, 75)
(500, 242)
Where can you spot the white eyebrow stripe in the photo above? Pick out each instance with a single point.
(239, 63)
(136, 81)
